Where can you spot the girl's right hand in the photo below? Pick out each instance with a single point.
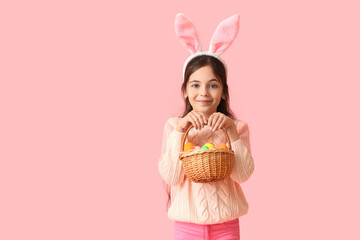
(197, 119)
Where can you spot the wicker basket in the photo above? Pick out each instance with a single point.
(209, 165)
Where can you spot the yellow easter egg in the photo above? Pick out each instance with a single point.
(223, 146)
(188, 146)
(209, 145)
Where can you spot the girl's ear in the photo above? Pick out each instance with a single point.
(186, 32)
(225, 34)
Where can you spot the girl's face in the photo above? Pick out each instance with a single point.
(204, 90)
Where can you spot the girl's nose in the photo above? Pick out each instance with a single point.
(203, 91)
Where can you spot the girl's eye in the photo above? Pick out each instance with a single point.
(197, 85)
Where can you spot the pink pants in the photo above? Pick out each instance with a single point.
(224, 231)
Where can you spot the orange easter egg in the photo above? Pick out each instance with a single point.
(188, 146)
(222, 147)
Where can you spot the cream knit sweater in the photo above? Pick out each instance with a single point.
(205, 203)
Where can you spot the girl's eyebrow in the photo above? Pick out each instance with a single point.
(212, 80)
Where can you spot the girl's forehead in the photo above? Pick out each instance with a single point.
(204, 74)
(204, 70)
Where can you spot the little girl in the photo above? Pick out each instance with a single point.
(206, 210)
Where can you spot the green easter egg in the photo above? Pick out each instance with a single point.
(204, 147)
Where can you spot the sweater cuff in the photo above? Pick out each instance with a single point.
(179, 133)
(177, 136)
(170, 165)
(243, 164)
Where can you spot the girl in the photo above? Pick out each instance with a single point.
(206, 210)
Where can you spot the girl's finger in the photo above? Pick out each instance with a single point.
(204, 118)
(218, 122)
(214, 121)
(196, 123)
(191, 119)
(197, 119)
(200, 119)
(210, 120)
(222, 124)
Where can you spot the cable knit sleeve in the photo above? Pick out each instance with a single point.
(243, 161)
(169, 164)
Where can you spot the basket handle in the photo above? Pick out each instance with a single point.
(187, 131)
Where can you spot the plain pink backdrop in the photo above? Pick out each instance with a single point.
(87, 86)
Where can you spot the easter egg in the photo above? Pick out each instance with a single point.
(188, 146)
(209, 145)
(204, 147)
(222, 147)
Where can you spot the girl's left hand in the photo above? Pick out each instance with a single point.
(219, 120)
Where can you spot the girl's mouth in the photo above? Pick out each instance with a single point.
(204, 102)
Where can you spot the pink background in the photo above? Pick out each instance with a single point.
(86, 87)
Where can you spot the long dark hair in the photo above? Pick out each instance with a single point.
(220, 72)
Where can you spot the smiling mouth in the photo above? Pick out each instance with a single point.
(204, 102)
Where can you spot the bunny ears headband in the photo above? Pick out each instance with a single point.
(221, 40)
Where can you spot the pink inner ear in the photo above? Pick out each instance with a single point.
(225, 34)
(186, 32)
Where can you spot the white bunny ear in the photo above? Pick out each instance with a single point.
(224, 34)
(186, 32)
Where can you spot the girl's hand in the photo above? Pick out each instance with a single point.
(197, 119)
(219, 120)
